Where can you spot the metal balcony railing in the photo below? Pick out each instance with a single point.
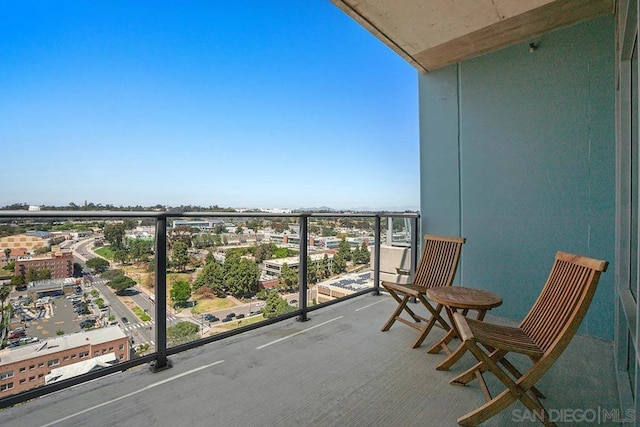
(158, 360)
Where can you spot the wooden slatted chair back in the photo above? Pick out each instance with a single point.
(557, 313)
(439, 261)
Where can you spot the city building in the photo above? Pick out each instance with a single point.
(271, 268)
(27, 241)
(51, 287)
(26, 367)
(11, 255)
(207, 224)
(60, 264)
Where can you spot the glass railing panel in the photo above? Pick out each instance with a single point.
(98, 305)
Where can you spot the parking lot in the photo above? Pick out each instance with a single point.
(57, 318)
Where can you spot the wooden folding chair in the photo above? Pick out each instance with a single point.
(542, 336)
(437, 267)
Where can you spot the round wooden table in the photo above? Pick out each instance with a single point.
(455, 298)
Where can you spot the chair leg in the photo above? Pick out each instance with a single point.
(481, 367)
(402, 305)
(435, 317)
(513, 392)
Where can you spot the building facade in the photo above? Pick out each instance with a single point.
(26, 367)
(28, 242)
(59, 264)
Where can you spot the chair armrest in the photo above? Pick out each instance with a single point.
(462, 327)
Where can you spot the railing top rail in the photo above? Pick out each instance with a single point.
(148, 214)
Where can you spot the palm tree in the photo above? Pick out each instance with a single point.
(4, 293)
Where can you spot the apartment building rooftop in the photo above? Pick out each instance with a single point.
(61, 343)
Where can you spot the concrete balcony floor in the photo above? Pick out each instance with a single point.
(337, 369)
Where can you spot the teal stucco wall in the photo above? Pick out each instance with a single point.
(517, 152)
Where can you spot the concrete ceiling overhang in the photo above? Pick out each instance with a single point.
(432, 34)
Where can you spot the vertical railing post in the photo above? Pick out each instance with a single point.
(376, 258)
(161, 361)
(414, 246)
(302, 270)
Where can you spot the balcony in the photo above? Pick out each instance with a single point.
(327, 364)
(335, 369)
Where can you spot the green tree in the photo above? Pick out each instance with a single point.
(312, 271)
(44, 274)
(275, 306)
(182, 332)
(121, 284)
(114, 234)
(324, 267)
(32, 275)
(242, 277)
(140, 249)
(212, 275)
(180, 255)
(17, 281)
(180, 293)
(121, 255)
(42, 250)
(4, 294)
(344, 249)
(288, 277)
(339, 263)
(363, 255)
(98, 264)
(7, 253)
(264, 252)
(112, 274)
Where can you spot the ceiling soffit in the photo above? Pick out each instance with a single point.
(431, 34)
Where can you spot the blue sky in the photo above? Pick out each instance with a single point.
(236, 104)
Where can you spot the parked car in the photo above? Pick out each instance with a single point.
(230, 315)
(124, 319)
(16, 335)
(210, 318)
(240, 316)
(227, 319)
(88, 323)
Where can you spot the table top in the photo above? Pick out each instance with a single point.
(461, 297)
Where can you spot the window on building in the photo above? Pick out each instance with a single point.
(23, 369)
(40, 375)
(32, 378)
(96, 353)
(121, 347)
(7, 386)
(73, 356)
(41, 365)
(65, 358)
(84, 354)
(32, 367)
(6, 374)
(23, 380)
(53, 362)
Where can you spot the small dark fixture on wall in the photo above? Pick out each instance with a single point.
(533, 47)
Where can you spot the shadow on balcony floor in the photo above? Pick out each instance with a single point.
(338, 369)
